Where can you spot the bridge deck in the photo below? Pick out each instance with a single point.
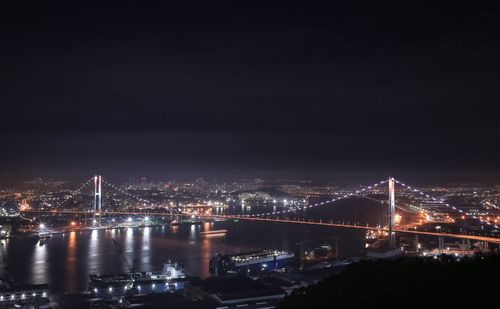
(317, 223)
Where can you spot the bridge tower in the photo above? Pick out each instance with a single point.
(392, 214)
(97, 198)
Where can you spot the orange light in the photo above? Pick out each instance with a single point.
(397, 218)
(73, 223)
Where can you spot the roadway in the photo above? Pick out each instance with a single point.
(276, 220)
(362, 227)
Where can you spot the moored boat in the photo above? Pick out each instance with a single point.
(171, 278)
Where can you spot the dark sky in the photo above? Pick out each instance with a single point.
(227, 89)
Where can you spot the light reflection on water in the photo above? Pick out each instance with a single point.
(129, 246)
(39, 266)
(145, 254)
(66, 260)
(71, 257)
(206, 250)
(93, 252)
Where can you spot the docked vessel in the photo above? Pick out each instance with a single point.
(171, 278)
(13, 295)
(251, 262)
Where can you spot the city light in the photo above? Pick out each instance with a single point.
(419, 214)
(397, 218)
(250, 155)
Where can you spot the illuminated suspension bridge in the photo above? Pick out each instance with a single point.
(277, 216)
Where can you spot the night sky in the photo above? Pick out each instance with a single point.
(241, 89)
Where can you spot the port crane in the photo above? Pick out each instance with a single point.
(131, 268)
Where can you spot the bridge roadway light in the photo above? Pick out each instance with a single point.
(129, 219)
(42, 226)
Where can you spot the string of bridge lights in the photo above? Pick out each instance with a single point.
(74, 192)
(125, 192)
(345, 196)
(443, 202)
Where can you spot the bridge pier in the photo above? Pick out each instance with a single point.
(484, 246)
(97, 199)
(441, 244)
(392, 213)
